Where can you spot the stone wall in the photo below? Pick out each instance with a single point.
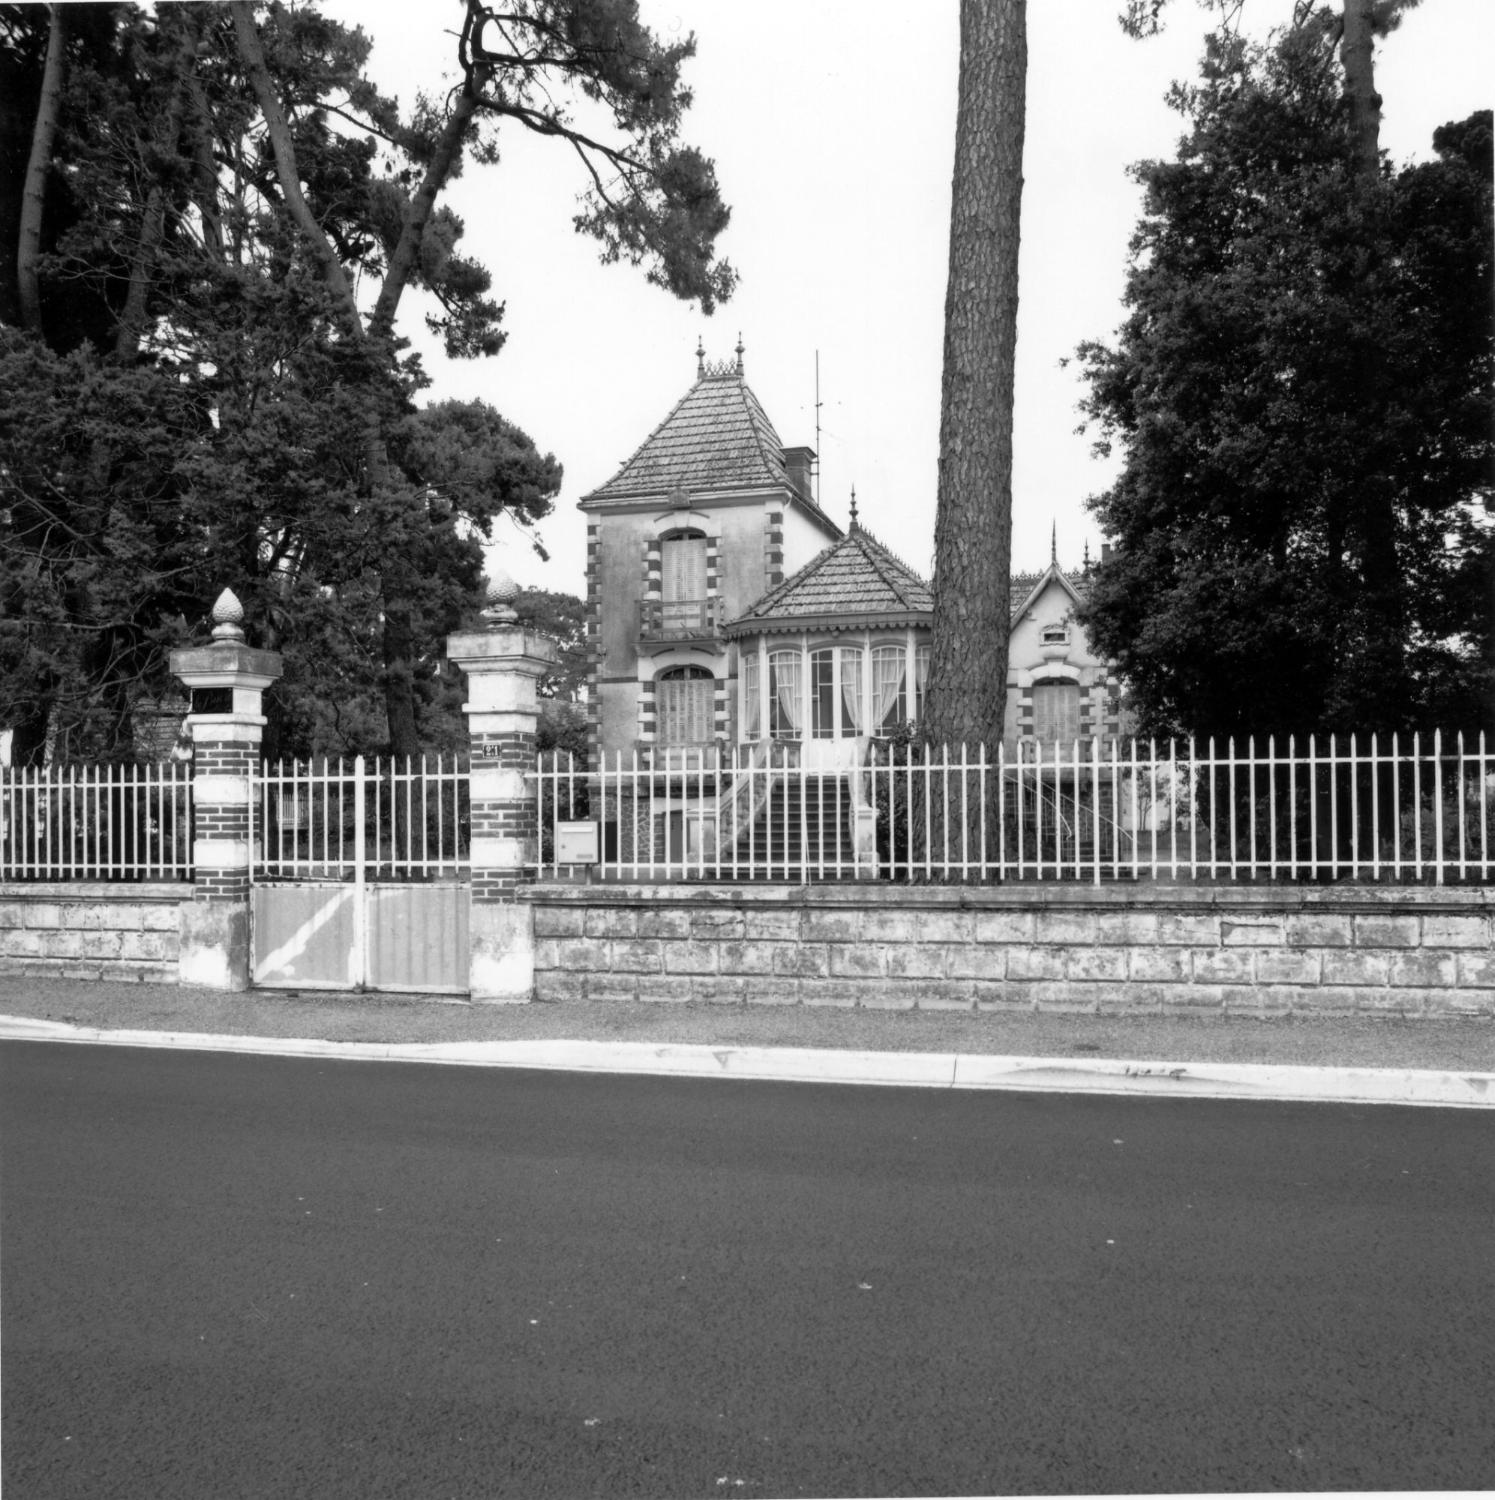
(1247, 950)
(92, 930)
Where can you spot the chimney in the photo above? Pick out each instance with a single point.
(797, 462)
(1105, 552)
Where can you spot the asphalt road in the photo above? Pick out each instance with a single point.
(229, 1275)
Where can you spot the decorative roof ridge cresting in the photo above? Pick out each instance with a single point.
(716, 438)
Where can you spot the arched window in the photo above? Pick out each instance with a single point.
(683, 705)
(1056, 711)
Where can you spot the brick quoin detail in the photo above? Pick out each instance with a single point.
(487, 886)
(773, 548)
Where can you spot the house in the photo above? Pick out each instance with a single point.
(1058, 689)
(709, 513)
(726, 608)
(734, 626)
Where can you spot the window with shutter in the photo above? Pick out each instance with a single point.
(683, 704)
(683, 580)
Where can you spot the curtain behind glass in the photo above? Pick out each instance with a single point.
(784, 678)
(887, 684)
(851, 688)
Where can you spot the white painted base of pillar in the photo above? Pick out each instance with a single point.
(214, 950)
(501, 960)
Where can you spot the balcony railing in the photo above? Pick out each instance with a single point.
(679, 619)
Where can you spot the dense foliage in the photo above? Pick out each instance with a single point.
(217, 216)
(1301, 393)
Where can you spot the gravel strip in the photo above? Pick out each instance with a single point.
(1355, 1041)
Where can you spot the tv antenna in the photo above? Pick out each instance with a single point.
(817, 427)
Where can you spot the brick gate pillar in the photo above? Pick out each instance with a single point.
(503, 663)
(226, 679)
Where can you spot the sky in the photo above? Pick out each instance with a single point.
(831, 123)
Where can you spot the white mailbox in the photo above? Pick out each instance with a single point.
(576, 843)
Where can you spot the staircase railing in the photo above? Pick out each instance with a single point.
(742, 799)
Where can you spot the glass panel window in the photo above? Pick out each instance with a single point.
(889, 694)
(1056, 711)
(851, 691)
(784, 709)
(752, 703)
(823, 694)
(921, 679)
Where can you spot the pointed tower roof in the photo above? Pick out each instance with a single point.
(854, 584)
(717, 438)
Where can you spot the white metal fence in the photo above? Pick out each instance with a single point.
(94, 822)
(377, 819)
(1403, 809)
(1399, 809)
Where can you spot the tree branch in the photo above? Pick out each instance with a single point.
(284, 150)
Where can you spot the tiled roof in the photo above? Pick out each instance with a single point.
(1023, 585)
(857, 578)
(717, 438)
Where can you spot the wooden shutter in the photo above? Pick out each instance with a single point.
(685, 708)
(685, 568)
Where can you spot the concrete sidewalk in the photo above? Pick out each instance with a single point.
(1358, 1057)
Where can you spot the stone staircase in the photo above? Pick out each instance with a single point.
(805, 826)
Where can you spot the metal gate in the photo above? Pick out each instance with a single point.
(359, 876)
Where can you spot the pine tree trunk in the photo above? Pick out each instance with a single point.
(34, 196)
(1386, 691)
(973, 526)
(1356, 56)
(399, 680)
(167, 136)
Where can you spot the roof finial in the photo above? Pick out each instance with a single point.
(1087, 554)
(1054, 543)
(853, 505)
(739, 351)
(700, 358)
